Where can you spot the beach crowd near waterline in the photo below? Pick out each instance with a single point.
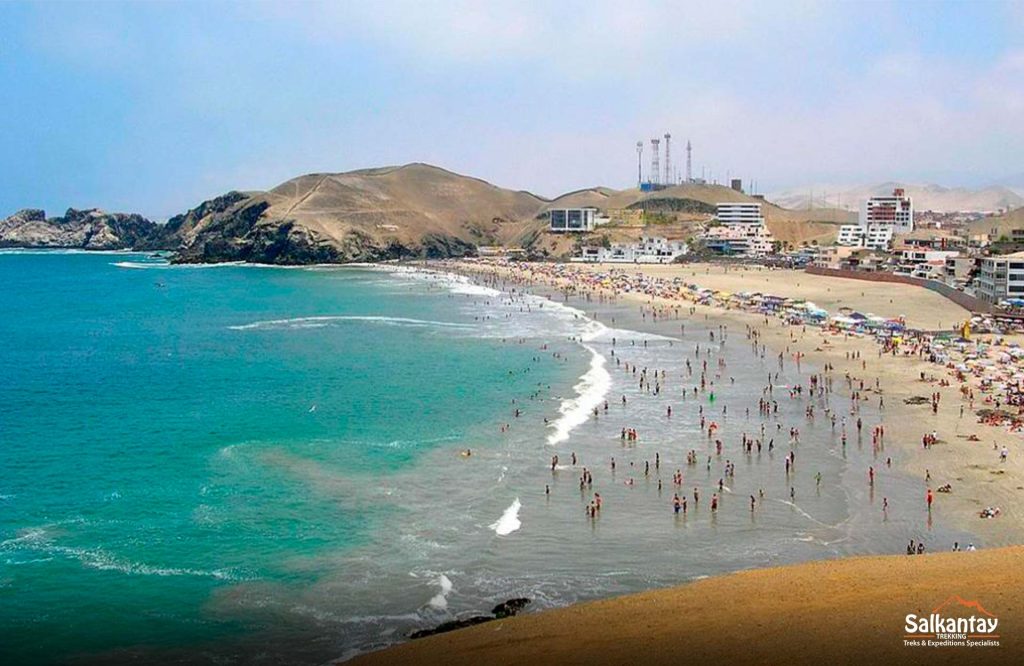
(966, 384)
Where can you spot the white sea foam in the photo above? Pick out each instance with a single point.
(473, 290)
(28, 536)
(96, 558)
(440, 600)
(321, 321)
(162, 265)
(509, 521)
(590, 393)
(35, 539)
(55, 251)
(141, 265)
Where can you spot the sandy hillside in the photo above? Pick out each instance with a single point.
(847, 611)
(405, 202)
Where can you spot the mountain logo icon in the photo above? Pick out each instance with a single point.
(956, 600)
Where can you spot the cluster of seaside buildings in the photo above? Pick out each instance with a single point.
(884, 239)
(649, 250)
(738, 229)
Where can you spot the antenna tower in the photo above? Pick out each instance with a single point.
(689, 162)
(668, 159)
(655, 162)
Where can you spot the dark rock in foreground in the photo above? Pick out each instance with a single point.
(452, 625)
(510, 607)
(503, 610)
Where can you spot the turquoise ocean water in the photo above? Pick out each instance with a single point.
(249, 465)
(168, 433)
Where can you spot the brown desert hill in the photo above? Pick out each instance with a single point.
(592, 197)
(416, 210)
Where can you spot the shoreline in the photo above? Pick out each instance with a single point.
(971, 467)
(846, 610)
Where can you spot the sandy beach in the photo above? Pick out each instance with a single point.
(845, 610)
(842, 611)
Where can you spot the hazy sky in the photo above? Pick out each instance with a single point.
(154, 107)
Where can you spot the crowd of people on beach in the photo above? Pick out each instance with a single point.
(706, 368)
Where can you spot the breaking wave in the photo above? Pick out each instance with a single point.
(327, 320)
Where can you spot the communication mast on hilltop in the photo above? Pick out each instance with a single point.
(655, 162)
(689, 162)
(639, 163)
(668, 159)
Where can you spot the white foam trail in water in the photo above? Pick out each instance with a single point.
(164, 265)
(319, 322)
(457, 284)
(141, 265)
(56, 251)
(593, 385)
(509, 521)
(440, 600)
(34, 539)
(591, 390)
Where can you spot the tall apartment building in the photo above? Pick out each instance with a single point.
(881, 218)
(1001, 277)
(896, 211)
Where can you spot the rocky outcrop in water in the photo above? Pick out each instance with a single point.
(90, 229)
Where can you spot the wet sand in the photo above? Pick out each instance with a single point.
(850, 610)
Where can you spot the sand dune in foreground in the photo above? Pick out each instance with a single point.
(849, 610)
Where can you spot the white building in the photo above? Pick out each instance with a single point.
(924, 256)
(896, 211)
(874, 236)
(1001, 277)
(650, 250)
(575, 219)
(745, 240)
(742, 231)
(924, 262)
(739, 213)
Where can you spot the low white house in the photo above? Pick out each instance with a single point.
(650, 250)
